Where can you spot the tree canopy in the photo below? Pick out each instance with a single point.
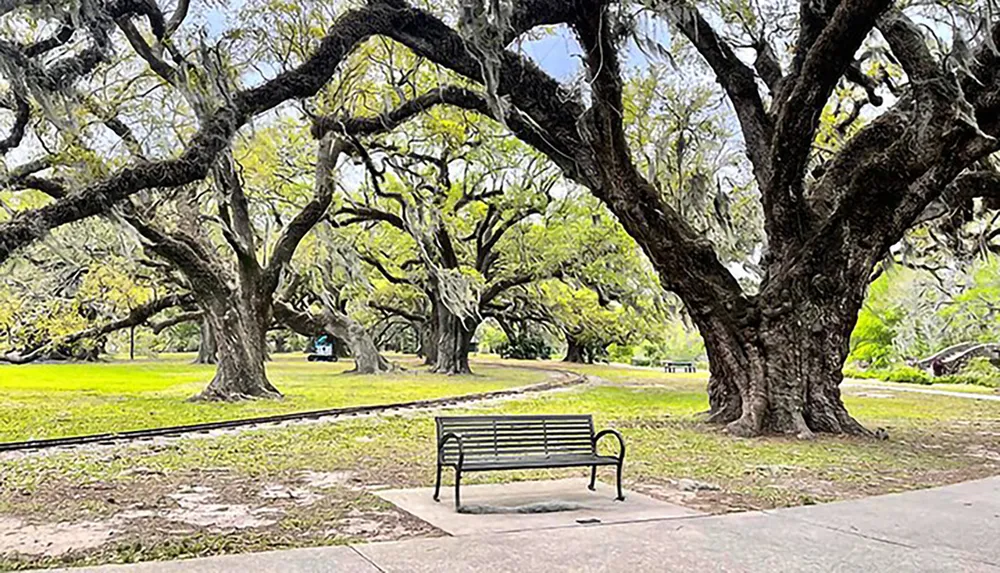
(766, 161)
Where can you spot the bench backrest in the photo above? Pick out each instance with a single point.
(505, 437)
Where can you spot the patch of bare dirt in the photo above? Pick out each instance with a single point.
(327, 480)
(372, 525)
(170, 513)
(708, 501)
(51, 539)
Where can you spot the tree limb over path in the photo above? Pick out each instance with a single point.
(136, 317)
(213, 137)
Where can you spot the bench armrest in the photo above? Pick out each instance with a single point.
(621, 442)
(447, 438)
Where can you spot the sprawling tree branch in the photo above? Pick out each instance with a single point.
(214, 134)
(390, 120)
(135, 317)
(736, 78)
(182, 318)
(329, 150)
(361, 214)
(964, 188)
(380, 267)
(826, 59)
(22, 112)
(491, 292)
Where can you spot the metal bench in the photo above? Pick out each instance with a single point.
(673, 365)
(487, 443)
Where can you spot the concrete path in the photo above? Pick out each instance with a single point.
(530, 505)
(954, 528)
(897, 388)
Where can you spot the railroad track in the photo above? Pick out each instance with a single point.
(570, 379)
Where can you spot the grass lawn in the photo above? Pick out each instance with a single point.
(55, 400)
(325, 472)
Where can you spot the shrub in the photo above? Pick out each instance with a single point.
(642, 361)
(959, 379)
(622, 353)
(525, 348)
(978, 371)
(863, 374)
(909, 375)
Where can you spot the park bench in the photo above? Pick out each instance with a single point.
(674, 365)
(488, 443)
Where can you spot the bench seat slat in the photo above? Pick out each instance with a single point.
(525, 448)
(514, 444)
(539, 437)
(518, 430)
(560, 461)
(514, 429)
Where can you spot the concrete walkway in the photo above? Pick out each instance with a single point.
(954, 528)
(853, 383)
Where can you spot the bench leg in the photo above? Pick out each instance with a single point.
(458, 481)
(437, 485)
(593, 478)
(621, 496)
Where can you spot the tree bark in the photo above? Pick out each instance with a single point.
(367, 359)
(429, 338)
(206, 344)
(240, 353)
(778, 369)
(574, 353)
(454, 340)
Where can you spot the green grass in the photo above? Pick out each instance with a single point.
(655, 411)
(54, 400)
(933, 440)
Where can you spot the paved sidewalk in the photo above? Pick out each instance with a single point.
(896, 388)
(954, 528)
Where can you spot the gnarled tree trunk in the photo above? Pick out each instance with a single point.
(367, 359)
(206, 344)
(574, 352)
(454, 340)
(241, 352)
(429, 339)
(778, 367)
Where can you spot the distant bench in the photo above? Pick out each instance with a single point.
(485, 443)
(674, 366)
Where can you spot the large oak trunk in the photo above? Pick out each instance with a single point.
(781, 373)
(574, 352)
(206, 344)
(367, 359)
(454, 341)
(429, 340)
(240, 354)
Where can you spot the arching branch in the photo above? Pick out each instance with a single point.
(214, 134)
(360, 126)
(135, 317)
